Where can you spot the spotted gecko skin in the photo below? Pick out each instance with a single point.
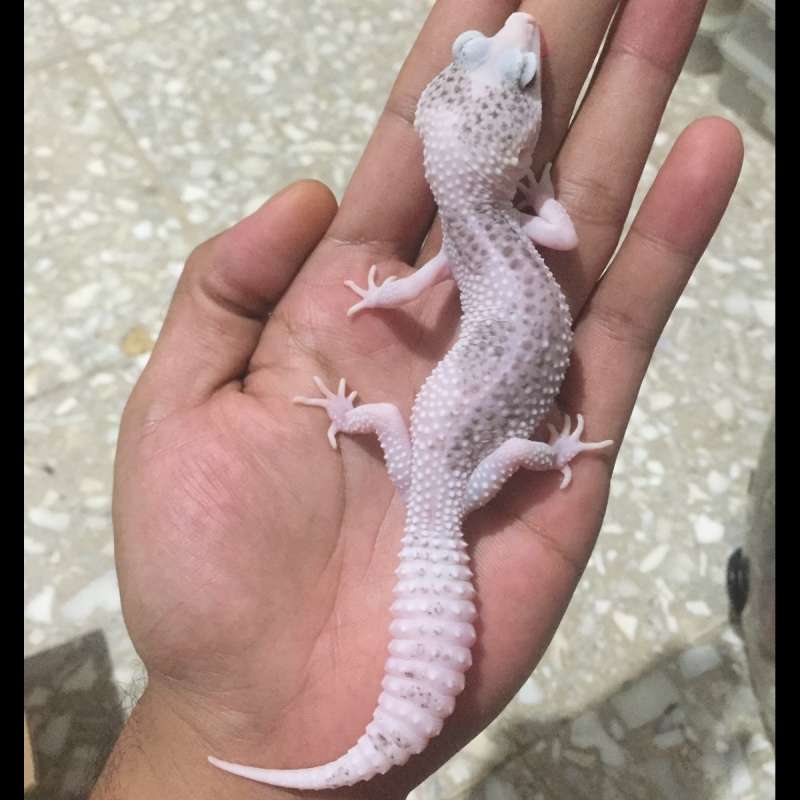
(479, 120)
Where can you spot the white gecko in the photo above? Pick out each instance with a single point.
(479, 120)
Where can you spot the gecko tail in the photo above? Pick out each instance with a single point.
(360, 763)
(428, 655)
(336, 773)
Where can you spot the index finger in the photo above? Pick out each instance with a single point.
(387, 202)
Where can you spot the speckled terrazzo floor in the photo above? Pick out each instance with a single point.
(151, 125)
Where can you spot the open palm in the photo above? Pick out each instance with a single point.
(256, 563)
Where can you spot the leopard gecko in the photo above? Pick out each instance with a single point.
(471, 423)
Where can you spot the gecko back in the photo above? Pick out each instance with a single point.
(479, 121)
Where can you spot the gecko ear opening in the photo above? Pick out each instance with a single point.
(470, 49)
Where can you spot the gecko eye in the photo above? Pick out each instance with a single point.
(530, 66)
(470, 49)
(518, 67)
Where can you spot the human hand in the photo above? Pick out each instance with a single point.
(255, 563)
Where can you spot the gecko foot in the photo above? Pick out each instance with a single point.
(336, 405)
(539, 191)
(565, 446)
(372, 295)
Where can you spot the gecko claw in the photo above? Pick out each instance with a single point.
(538, 192)
(356, 288)
(309, 401)
(322, 387)
(596, 445)
(566, 471)
(332, 431)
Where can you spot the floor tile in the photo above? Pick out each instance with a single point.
(44, 38)
(232, 105)
(670, 732)
(92, 23)
(103, 243)
(81, 165)
(96, 299)
(70, 585)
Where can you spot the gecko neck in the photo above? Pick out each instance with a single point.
(498, 270)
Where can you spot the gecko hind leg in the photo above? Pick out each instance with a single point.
(383, 419)
(490, 475)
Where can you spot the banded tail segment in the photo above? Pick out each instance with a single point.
(428, 656)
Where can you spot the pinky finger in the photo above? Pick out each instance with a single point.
(623, 319)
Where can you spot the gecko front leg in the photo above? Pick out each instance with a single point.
(490, 475)
(383, 419)
(551, 227)
(396, 291)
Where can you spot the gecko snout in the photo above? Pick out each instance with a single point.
(519, 30)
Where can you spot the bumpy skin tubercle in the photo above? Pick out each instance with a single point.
(479, 120)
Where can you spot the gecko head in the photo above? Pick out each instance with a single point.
(480, 117)
(510, 58)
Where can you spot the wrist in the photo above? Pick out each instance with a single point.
(158, 754)
(163, 752)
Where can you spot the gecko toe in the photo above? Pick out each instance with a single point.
(356, 288)
(332, 431)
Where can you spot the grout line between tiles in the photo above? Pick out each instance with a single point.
(82, 55)
(172, 200)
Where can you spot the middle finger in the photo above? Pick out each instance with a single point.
(601, 161)
(571, 35)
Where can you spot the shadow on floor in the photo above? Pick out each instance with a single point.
(74, 714)
(667, 733)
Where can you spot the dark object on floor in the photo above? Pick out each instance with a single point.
(751, 583)
(738, 577)
(74, 714)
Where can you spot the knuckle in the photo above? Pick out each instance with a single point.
(593, 200)
(402, 106)
(624, 326)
